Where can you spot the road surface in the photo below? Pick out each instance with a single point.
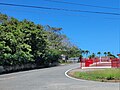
(50, 79)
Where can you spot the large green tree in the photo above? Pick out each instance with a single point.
(23, 42)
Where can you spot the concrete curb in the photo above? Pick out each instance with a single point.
(70, 76)
(96, 67)
(82, 68)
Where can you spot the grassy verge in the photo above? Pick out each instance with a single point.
(112, 75)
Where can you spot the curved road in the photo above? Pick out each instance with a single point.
(50, 79)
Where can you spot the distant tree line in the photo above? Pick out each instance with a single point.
(106, 54)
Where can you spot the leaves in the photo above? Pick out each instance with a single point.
(23, 41)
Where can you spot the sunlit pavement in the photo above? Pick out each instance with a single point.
(50, 79)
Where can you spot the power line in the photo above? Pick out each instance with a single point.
(72, 3)
(68, 14)
(59, 9)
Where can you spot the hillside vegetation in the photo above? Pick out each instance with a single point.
(24, 42)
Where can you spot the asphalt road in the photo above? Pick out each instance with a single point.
(50, 79)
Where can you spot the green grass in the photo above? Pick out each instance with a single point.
(100, 75)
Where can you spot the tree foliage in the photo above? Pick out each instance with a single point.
(24, 42)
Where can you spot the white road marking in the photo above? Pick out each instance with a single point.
(70, 76)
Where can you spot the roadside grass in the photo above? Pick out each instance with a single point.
(104, 75)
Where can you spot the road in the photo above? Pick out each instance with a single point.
(50, 79)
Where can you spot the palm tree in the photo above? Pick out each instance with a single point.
(83, 52)
(105, 53)
(99, 53)
(86, 52)
(93, 55)
(109, 53)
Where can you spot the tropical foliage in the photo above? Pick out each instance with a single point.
(23, 42)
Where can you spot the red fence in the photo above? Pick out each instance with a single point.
(115, 62)
(87, 62)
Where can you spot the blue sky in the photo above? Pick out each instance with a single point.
(93, 32)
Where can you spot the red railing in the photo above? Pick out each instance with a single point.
(115, 62)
